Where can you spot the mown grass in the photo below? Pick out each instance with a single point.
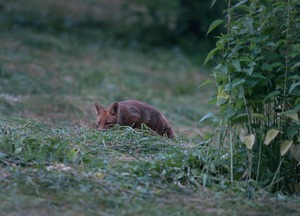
(120, 171)
(52, 160)
(47, 170)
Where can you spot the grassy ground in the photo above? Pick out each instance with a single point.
(58, 77)
(52, 161)
(48, 170)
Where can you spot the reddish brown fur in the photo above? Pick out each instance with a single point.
(133, 113)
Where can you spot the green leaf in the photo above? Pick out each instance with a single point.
(295, 151)
(254, 80)
(293, 86)
(210, 55)
(250, 68)
(220, 68)
(205, 83)
(285, 147)
(231, 112)
(272, 94)
(214, 25)
(207, 116)
(292, 131)
(292, 114)
(259, 76)
(271, 44)
(222, 93)
(240, 3)
(249, 141)
(221, 101)
(240, 118)
(233, 84)
(241, 133)
(266, 67)
(236, 65)
(277, 65)
(279, 43)
(271, 134)
(297, 107)
(213, 3)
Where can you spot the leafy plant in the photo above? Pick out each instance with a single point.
(258, 95)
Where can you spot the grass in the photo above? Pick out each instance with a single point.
(62, 83)
(50, 170)
(52, 161)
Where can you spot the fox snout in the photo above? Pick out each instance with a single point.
(101, 129)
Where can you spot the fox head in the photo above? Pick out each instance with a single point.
(106, 118)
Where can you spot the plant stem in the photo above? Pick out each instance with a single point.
(258, 163)
(231, 154)
(278, 168)
(228, 16)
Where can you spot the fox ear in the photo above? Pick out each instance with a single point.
(114, 109)
(99, 109)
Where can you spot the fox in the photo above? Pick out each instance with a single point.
(132, 113)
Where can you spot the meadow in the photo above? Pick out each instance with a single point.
(53, 161)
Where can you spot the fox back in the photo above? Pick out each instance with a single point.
(133, 113)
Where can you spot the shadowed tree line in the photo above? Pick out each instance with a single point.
(169, 23)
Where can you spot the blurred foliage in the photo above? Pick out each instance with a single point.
(169, 23)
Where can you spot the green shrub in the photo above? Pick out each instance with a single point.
(258, 84)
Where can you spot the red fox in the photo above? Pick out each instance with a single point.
(133, 113)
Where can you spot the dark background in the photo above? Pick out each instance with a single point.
(133, 23)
